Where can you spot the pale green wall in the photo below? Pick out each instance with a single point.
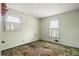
(0, 32)
(0, 29)
(69, 28)
(29, 31)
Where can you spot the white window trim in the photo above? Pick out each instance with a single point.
(14, 30)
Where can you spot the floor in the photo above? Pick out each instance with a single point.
(41, 48)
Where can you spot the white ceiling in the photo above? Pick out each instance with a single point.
(44, 9)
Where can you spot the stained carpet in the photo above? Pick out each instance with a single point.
(41, 48)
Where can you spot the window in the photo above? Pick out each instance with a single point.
(54, 29)
(12, 23)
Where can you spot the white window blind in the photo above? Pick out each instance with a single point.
(54, 29)
(13, 19)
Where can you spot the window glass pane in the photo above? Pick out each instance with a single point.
(13, 19)
(54, 24)
(12, 23)
(7, 26)
(54, 29)
(12, 26)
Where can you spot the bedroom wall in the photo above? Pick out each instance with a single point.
(69, 28)
(0, 34)
(0, 29)
(29, 31)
